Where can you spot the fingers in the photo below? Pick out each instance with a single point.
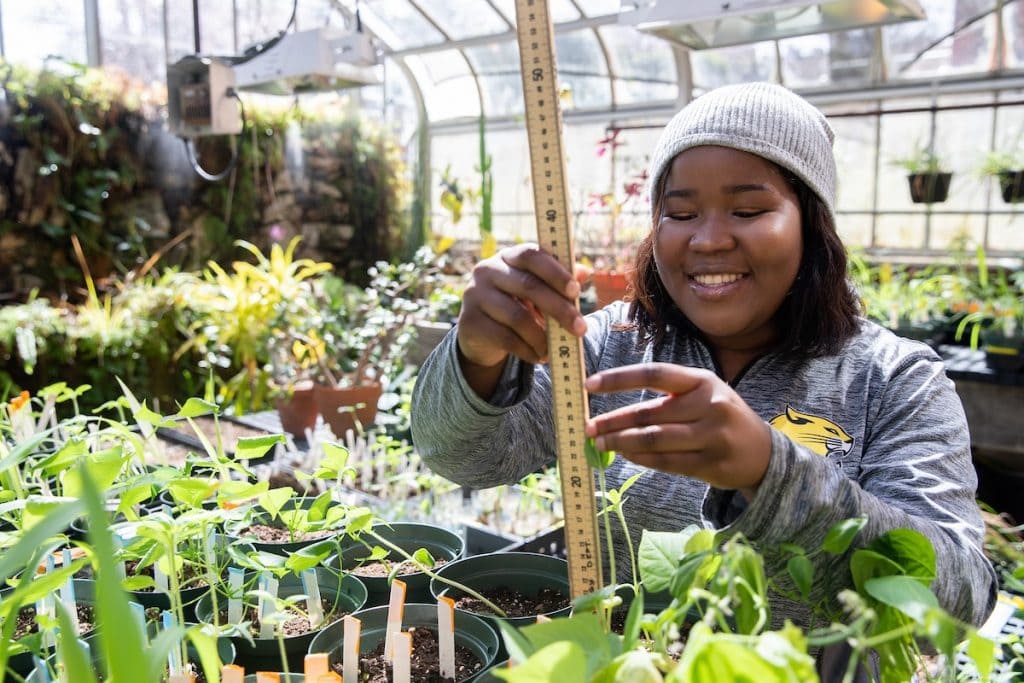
(535, 276)
(661, 439)
(496, 324)
(664, 377)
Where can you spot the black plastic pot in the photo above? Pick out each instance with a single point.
(264, 653)
(524, 572)
(225, 650)
(22, 663)
(929, 188)
(1011, 185)
(234, 530)
(471, 632)
(1002, 353)
(438, 541)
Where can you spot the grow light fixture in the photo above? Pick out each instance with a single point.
(702, 24)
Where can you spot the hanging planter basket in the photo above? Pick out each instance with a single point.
(1011, 184)
(929, 188)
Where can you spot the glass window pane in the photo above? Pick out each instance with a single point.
(258, 21)
(449, 89)
(964, 136)
(465, 18)
(722, 66)
(638, 55)
(597, 8)
(1013, 24)
(399, 24)
(854, 229)
(900, 136)
(126, 30)
(179, 30)
(968, 51)
(855, 158)
(35, 30)
(503, 95)
(561, 10)
(582, 71)
(1006, 233)
(947, 230)
(499, 58)
(894, 230)
(828, 58)
(639, 92)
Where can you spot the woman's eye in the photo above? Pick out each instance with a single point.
(748, 213)
(680, 216)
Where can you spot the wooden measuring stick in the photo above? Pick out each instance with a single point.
(554, 234)
(400, 665)
(446, 636)
(232, 673)
(396, 611)
(350, 657)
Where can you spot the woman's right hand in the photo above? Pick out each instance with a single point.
(503, 308)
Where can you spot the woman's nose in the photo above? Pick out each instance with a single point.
(712, 233)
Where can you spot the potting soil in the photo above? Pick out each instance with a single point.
(425, 663)
(515, 603)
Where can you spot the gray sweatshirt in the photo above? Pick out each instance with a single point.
(877, 430)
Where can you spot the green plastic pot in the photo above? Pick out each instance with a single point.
(440, 542)
(265, 652)
(486, 676)
(527, 573)
(471, 632)
(233, 529)
(225, 650)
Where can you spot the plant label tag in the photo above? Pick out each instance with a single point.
(42, 669)
(329, 677)
(542, 619)
(396, 611)
(316, 665)
(181, 678)
(268, 677)
(139, 614)
(235, 578)
(67, 598)
(232, 673)
(268, 607)
(400, 666)
(312, 590)
(446, 636)
(174, 667)
(160, 579)
(350, 656)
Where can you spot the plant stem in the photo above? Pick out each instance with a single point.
(426, 570)
(607, 525)
(629, 546)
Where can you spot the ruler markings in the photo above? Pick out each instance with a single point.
(547, 163)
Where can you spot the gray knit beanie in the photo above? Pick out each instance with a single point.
(761, 118)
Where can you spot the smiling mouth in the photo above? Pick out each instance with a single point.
(716, 279)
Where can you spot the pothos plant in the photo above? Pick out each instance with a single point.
(717, 623)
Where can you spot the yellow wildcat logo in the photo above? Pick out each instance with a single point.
(822, 436)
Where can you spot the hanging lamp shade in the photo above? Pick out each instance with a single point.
(702, 24)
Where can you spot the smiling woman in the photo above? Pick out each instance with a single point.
(740, 388)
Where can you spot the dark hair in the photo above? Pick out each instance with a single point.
(818, 314)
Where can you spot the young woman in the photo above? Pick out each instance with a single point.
(740, 380)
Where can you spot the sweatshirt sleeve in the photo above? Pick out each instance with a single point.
(916, 472)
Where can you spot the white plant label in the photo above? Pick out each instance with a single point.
(350, 656)
(174, 664)
(235, 578)
(446, 636)
(160, 579)
(400, 667)
(67, 595)
(396, 612)
(267, 605)
(312, 591)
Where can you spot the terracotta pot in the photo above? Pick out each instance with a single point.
(298, 410)
(610, 285)
(341, 407)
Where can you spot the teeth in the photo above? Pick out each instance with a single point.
(717, 278)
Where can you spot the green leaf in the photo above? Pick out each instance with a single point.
(206, 646)
(631, 631)
(685, 575)
(905, 593)
(422, 556)
(867, 564)
(194, 407)
(256, 446)
(911, 550)
(519, 648)
(191, 492)
(658, 556)
(983, 652)
(596, 458)
(15, 558)
(802, 572)
(273, 500)
(77, 664)
(839, 537)
(560, 662)
(122, 643)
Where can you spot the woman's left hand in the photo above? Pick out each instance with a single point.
(700, 428)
